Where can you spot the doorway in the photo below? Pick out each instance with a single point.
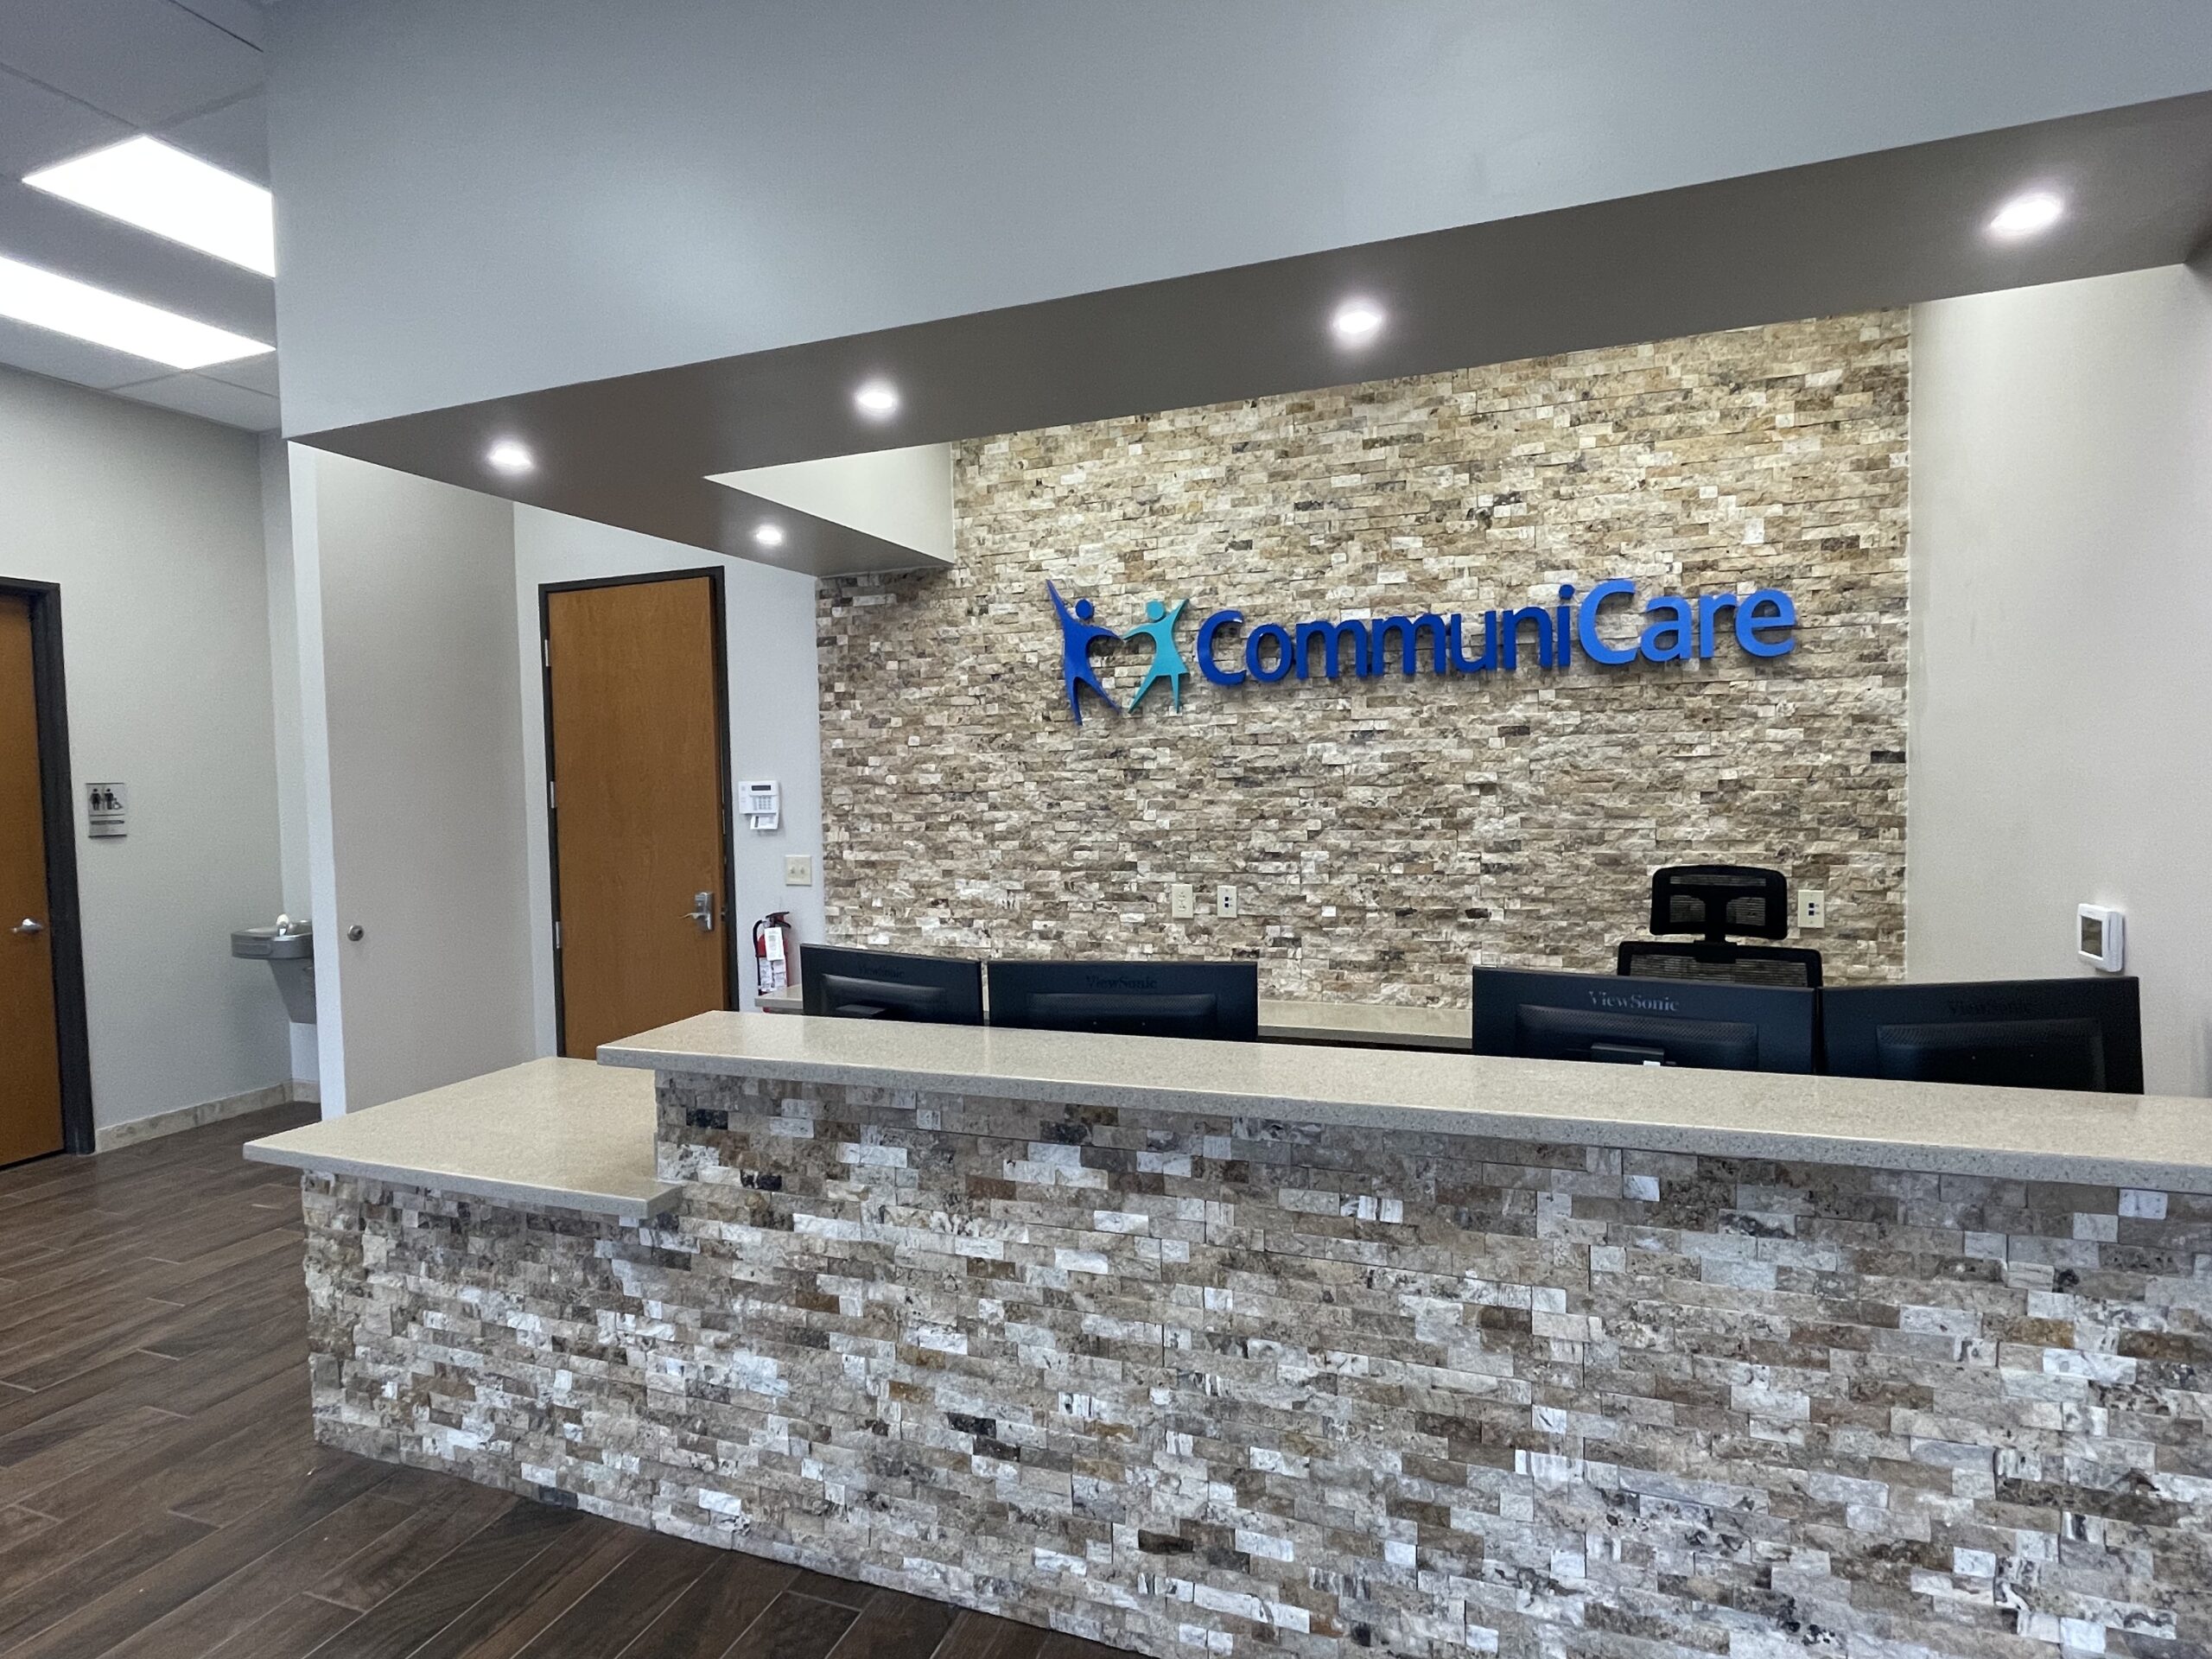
(637, 769)
(46, 1095)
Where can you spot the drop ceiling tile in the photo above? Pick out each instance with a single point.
(38, 127)
(146, 61)
(60, 358)
(195, 394)
(253, 373)
(235, 138)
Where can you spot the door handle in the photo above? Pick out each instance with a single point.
(28, 928)
(701, 911)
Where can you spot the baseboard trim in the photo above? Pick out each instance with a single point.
(110, 1136)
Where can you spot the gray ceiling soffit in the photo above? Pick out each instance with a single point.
(1888, 228)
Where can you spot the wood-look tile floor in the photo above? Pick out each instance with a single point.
(161, 1496)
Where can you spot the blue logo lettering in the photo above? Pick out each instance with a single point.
(1677, 628)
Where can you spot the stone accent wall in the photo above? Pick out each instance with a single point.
(1384, 834)
(1189, 1384)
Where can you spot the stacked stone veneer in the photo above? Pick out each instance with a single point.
(1383, 835)
(1182, 1382)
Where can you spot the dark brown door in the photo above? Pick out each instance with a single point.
(633, 687)
(30, 1057)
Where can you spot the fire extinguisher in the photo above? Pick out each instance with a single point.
(775, 952)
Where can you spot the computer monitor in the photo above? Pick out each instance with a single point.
(885, 985)
(1554, 1016)
(1139, 999)
(2029, 1033)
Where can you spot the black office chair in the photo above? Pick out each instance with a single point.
(1723, 903)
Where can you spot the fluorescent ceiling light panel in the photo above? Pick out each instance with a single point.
(69, 307)
(158, 187)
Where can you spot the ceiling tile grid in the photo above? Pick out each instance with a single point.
(78, 76)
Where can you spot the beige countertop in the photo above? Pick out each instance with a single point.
(563, 1133)
(1379, 1024)
(2026, 1134)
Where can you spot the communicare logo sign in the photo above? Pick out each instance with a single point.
(1078, 633)
(1674, 628)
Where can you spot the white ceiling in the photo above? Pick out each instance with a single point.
(77, 73)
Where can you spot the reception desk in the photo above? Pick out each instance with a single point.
(1192, 1347)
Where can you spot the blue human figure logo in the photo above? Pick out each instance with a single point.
(1078, 633)
(1167, 662)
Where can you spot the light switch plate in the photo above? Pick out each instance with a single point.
(1182, 901)
(1225, 901)
(1812, 909)
(798, 869)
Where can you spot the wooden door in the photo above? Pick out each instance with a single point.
(637, 757)
(30, 1054)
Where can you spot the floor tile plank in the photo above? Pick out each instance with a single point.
(229, 1606)
(504, 1622)
(978, 1636)
(621, 1607)
(106, 1621)
(427, 1604)
(722, 1604)
(64, 1579)
(797, 1627)
(438, 1528)
(295, 1629)
(894, 1626)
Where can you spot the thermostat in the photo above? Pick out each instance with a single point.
(2101, 937)
(759, 803)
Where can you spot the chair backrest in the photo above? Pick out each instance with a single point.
(1735, 964)
(1721, 901)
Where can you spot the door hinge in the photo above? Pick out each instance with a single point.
(551, 805)
(556, 936)
(545, 651)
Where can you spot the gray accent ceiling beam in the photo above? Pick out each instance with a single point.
(1892, 228)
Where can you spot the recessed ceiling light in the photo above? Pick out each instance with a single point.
(768, 535)
(877, 397)
(1356, 321)
(69, 307)
(2029, 213)
(511, 455)
(158, 187)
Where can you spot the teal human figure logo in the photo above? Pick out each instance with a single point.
(1167, 662)
(1078, 633)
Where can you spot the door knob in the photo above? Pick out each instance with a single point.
(701, 911)
(26, 927)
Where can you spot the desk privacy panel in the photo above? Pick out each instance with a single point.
(1382, 833)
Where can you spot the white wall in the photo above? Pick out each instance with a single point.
(284, 687)
(2061, 708)
(414, 762)
(775, 723)
(151, 523)
(479, 198)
